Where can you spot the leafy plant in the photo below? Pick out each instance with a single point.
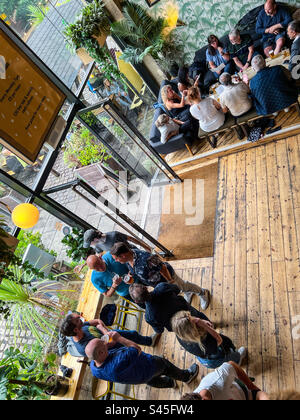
(93, 22)
(74, 241)
(145, 34)
(26, 238)
(28, 303)
(83, 149)
(37, 14)
(23, 375)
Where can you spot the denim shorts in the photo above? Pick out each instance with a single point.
(271, 41)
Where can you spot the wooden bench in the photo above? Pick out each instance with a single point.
(89, 304)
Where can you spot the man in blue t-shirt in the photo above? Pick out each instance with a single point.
(81, 333)
(128, 365)
(107, 275)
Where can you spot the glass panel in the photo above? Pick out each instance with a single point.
(20, 170)
(40, 24)
(125, 143)
(131, 93)
(9, 199)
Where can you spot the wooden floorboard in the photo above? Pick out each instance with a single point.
(202, 147)
(254, 273)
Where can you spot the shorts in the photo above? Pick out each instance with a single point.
(271, 41)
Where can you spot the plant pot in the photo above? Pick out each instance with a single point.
(84, 56)
(153, 68)
(60, 386)
(101, 38)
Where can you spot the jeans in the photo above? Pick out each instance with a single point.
(165, 372)
(214, 363)
(135, 337)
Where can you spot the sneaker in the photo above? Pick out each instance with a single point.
(243, 353)
(188, 296)
(194, 370)
(205, 299)
(286, 109)
(275, 114)
(155, 337)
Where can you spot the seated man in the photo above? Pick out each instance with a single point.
(235, 97)
(82, 333)
(107, 275)
(271, 88)
(104, 241)
(129, 366)
(150, 270)
(240, 49)
(228, 382)
(271, 23)
(293, 32)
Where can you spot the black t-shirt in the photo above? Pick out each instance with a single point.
(110, 239)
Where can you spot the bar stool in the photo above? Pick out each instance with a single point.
(126, 307)
(100, 389)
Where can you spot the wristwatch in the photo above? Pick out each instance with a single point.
(248, 62)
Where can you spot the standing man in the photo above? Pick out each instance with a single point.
(271, 23)
(107, 275)
(105, 241)
(293, 32)
(150, 271)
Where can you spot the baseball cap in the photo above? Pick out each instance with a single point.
(89, 236)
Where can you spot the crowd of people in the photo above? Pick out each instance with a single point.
(142, 277)
(189, 106)
(116, 354)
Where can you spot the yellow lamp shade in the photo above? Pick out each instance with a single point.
(25, 216)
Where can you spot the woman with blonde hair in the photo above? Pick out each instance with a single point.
(177, 107)
(198, 337)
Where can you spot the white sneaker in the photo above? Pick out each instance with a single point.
(286, 109)
(243, 353)
(275, 114)
(188, 296)
(205, 299)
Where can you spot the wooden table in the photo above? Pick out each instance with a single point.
(89, 304)
(270, 62)
(250, 72)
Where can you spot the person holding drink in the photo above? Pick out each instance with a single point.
(109, 276)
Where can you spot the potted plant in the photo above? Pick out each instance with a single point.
(74, 242)
(30, 375)
(146, 37)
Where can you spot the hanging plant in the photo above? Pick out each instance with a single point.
(88, 32)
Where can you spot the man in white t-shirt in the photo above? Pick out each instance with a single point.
(228, 382)
(235, 97)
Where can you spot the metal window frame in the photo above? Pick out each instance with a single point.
(36, 194)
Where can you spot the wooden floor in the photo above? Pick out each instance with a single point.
(200, 147)
(254, 274)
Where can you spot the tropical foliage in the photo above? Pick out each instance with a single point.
(91, 23)
(30, 304)
(18, 10)
(83, 149)
(25, 238)
(204, 17)
(23, 374)
(74, 242)
(145, 34)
